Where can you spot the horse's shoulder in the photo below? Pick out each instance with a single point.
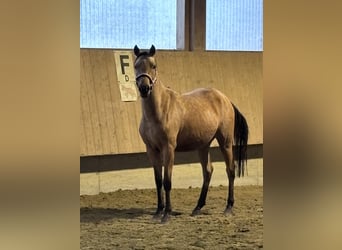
(172, 93)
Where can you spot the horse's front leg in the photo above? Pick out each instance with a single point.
(168, 157)
(159, 184)
(155, 159)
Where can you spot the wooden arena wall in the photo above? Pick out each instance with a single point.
(109, 126)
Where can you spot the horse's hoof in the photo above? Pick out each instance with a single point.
(196, 211)
(228, 211)
(158, 215)
(166, 217)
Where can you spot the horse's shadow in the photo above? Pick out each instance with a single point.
(98, 214)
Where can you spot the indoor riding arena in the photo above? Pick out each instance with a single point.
(118, 196)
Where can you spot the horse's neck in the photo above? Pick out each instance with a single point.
(153, 108)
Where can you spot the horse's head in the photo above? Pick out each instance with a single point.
(145, 70)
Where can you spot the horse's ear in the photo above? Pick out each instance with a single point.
(136, 50)
(152, 50)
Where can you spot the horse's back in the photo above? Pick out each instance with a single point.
(205, 99)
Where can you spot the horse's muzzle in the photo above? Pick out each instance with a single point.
(144, 90)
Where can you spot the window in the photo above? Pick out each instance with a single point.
(234, 25)
(123, 23)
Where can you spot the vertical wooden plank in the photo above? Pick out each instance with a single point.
(83, 139)
(177, 75)
(258, 105)
(222, 74)
(133, 124)
(216, 77)
(190, 68)
(124, 129)
(86, 79)
(199, 71)
(259, 83)
(249, 102)
(101, 79)
(93, 110)
(109, 107)
(184, 75)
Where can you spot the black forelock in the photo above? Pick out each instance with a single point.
(144, 53)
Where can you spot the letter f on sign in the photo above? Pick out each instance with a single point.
(123, 64)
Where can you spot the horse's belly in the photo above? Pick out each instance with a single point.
(189, 146)
(193, 141)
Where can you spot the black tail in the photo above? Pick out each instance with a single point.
(241, 139)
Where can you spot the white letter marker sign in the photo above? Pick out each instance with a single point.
(126, 76)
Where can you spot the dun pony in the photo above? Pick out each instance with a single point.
(183, 122)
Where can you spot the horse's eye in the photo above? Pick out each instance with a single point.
(154, 66)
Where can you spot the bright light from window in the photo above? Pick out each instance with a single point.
(234, 25)
(124, 23)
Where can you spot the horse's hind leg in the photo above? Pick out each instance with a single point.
(226, 147)
(207, 170)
